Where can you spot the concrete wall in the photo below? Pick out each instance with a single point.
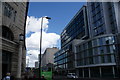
(48, 56)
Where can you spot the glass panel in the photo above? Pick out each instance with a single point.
(94, 42)
(89, 44)
(102, 51)
(112, 49)
(100, 41)
(96, 60)
(102, 59)
(113, 58)
(95, 51)
(109, 58)
(91, 60)
(108, 49)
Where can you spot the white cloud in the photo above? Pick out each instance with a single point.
(48, 40)
(33, 42)
(34, 24)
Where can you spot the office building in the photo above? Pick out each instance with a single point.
(36, 64)
(12, 43)
(48, 56)
(98, 55)
(77, 28)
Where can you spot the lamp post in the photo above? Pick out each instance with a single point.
(41, 46)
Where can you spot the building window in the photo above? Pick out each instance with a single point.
(108, 59)
(95, 43)
(108, 49)
(95, 51)
(100, 41)
(9, 11)
(89, 44)
(7, 33)
(91, 60)
(14, 15)
(102, 59)
(96, 60)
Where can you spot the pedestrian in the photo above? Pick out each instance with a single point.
(43, 78)
(7, 77)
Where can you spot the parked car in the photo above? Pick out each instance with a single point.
(72, 75)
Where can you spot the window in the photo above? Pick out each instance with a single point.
(101, 50)
(95, 32)
(96, 60)
(7, 33)
(113, 58)
(14, 15)
(9, 11)
(109, 40)
(92, 6)
(89, 44)
(108, 58)
(91, 60)
(95, 42)
(95, 51)
(85, 53)
(90, 52)
(108, 49)
(112, 48)
(102, 59)
(100, 41)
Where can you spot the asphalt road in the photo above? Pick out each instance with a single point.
(65, 78)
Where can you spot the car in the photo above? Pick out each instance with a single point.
(72, 75)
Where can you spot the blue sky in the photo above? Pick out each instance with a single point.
(60, 12)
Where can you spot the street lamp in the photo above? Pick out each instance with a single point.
(21, 37)
(41, 46)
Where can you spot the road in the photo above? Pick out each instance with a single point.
(65, 78)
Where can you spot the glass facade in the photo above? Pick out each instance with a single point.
(63, 59)
(97, 18)
(99, 50)
(95, 56)
(113, 26)
(76, 29)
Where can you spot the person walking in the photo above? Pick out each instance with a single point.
(7, 77)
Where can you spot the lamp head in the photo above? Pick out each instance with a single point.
(21, 37)
(47, 17)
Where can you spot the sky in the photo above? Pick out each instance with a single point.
(60, 12)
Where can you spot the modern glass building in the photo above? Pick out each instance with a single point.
(103, 18)
(96, 52)
(98, 56)
(77, 28)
